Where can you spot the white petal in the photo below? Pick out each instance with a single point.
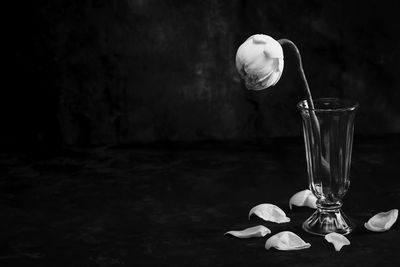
(303, 198)
(269, 212)
(273, 71)
(286, 241)
(256, 231)
(272, 48)
(311, 201)
(279, 69)
(382, 221)
(337, 240)
(271, 80)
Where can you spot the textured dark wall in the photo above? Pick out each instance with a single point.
(106, 72)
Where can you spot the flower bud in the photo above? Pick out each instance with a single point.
(259, 61)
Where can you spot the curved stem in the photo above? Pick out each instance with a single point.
(314, 120)
(301, 70)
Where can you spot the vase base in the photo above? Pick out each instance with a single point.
(323, 222)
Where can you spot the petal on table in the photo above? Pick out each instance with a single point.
(286, 240)
(256, 231)
(382, 221)
(303, 198)
(337, 240)
(269, 212)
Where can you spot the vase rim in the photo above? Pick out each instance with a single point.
(329, 104)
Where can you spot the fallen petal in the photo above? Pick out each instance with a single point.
(303, 198)
(269, 212)
(311, 201)
(286, 240)
(382, 221)
(256, 231)
(337, 240)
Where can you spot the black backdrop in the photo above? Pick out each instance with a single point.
(110, 72)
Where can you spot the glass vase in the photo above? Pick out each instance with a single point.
(328, 136)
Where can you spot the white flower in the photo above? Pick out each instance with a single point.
(259, 61)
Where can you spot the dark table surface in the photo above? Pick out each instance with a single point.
(169, 205)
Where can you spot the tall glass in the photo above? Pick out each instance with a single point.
(328, 136)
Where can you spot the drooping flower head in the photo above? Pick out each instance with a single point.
(259, 61)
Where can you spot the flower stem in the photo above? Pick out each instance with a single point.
(301, 70)
(314, 121)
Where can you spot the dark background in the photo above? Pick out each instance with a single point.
(117, 72)
(130, 140)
